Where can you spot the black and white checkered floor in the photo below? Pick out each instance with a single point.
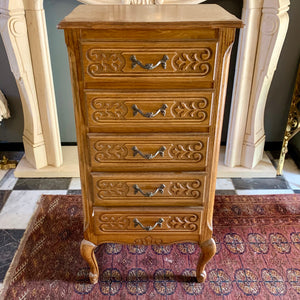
(19, 197)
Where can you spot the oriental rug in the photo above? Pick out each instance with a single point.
(258, 256)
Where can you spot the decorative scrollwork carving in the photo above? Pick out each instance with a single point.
(112, 223)
(111, 189)
(194, 62)
(148, 240)
(187, 151)
(17, 26)
(191, 109)
(107, 110)
(186, 189)
(185, 222)
(109, 151)
(103, 62)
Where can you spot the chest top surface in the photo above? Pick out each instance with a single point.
(101, 16)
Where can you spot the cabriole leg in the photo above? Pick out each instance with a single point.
(87, 252)
(208, 250)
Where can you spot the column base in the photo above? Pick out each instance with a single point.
(252, 154)
(69, 168)
(264, 169)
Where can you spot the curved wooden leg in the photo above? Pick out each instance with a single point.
(87, 252)
(208, 250)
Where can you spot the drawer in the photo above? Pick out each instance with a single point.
(155, 220)
(147, 112)
(100, 59)
(152, 152)
(148, 189)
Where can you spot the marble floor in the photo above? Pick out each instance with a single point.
(19, 198)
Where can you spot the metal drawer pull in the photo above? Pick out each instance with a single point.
(149, 115)
(148, 228)
(148, 156)
(149, 194)
(162, 62)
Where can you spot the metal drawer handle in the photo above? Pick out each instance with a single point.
(149, 194)
(162, 62)
(160, 151)
(148, 228)
(161, 110)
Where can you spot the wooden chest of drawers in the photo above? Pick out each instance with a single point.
(149, 84)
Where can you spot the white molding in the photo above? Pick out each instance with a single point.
(23, 29)
(273, 29)
(258, 56)
(14, 34)
(38, 40)
(244, 69)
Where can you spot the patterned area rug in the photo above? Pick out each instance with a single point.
(258, 256)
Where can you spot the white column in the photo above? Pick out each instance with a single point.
(38, 41)
(274, 25)
(23, 29)
(14, 34)
(248, 40)
(259, 49)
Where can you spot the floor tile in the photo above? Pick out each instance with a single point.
(20, 206)
(225, 192)
(75, 184)
(297, 191)
(74, 192)
(259, 183)
(291, 173)
(8, 181)
(9, 242)
(3, 197)
(42, 184)
(224, 184)
(264, 192)
(2, 173)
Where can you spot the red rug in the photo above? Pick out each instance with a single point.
(258, 256)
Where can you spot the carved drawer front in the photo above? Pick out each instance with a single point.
(171, 58)
(124, 111)
(148, 189)
(152, 152)
(154, 220)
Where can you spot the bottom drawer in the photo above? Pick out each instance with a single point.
(155, 220)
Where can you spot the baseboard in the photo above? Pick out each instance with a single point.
(11, 146)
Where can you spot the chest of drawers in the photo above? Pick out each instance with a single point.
(149, 85)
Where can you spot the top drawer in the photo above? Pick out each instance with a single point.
(102, 59)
